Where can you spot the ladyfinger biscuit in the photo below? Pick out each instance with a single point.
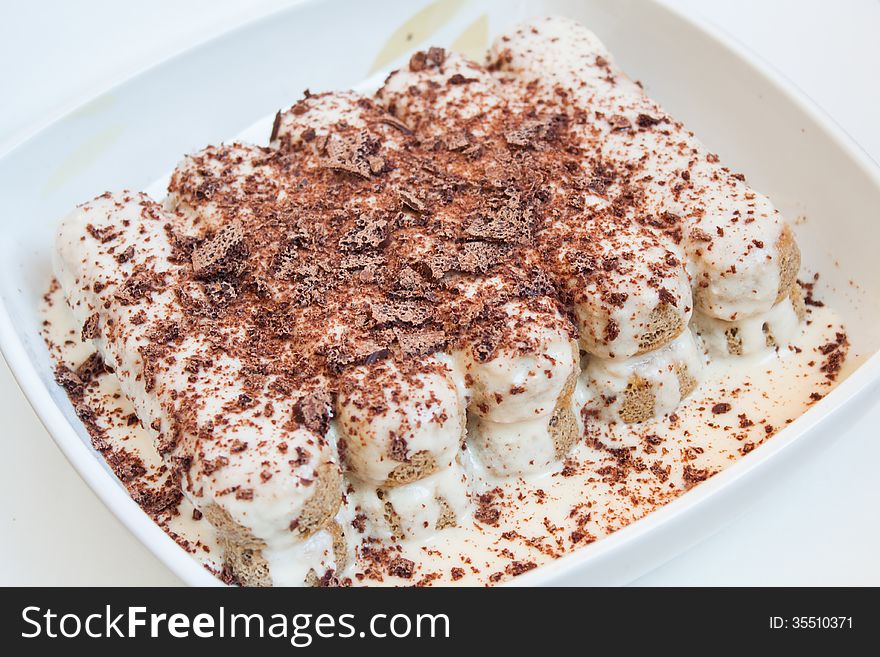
(510, 449)
(237, 445)
(774, 329)
(647, 386)
(524, 377)
(411, 511)
(742, 258)
(218, 184)
(629, 289)
(399, 422)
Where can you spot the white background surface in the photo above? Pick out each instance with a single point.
(820, 525)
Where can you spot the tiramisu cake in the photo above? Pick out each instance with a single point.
(444, 333)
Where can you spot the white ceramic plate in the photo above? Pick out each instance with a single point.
(136, 132)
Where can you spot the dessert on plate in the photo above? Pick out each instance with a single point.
(443, 333)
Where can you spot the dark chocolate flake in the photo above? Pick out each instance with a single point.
(126, 255)
(411, 201)
(402, 311)
(396, 123)
(400, 567)
(420, 342)
(68, 379)
(104, 234)
(458, 79)
(619, 122)
(478, 257)
(91, 329)
(138, 286)
(353, 154)
(222, 253)
(276, 126)
(91, 368)
(313, 411)
(368, 233)
(457, 140)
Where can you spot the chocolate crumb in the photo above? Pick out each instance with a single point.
(400, 567)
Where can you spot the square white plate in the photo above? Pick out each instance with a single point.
(136, 132)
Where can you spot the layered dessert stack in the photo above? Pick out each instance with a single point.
(478, 260)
